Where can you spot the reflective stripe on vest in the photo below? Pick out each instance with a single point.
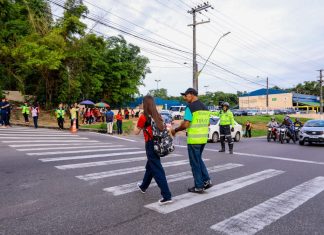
(198, 129)
(25, 109)
(60, 113)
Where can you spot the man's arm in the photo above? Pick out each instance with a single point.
(184, 125)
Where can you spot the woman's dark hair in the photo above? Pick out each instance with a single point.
(150, 109)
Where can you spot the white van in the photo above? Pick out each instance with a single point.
(177, 112)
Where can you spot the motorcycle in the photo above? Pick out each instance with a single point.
(285, 135)
(297, 130)
(272, 134)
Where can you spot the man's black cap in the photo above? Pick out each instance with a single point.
(190, 91)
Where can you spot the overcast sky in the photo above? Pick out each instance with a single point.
(283, 40)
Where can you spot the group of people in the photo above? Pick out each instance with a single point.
(288, 123)
(196, 122)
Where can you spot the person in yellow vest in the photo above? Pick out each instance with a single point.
(25, 110)
(226, 126)
(60, 112)
(196, 121)
(74, 111)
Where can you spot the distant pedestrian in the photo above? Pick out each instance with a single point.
(8, 112)
(248, 129)
(74, 115)
(154, 168)
(60, 113)
(109, 120)
(126, 112)
(119, 118)
(132, 113)
(35, 114)
(25, 111)
(4, 105)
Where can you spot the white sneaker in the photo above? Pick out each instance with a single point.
(139, 187)
(163, 201)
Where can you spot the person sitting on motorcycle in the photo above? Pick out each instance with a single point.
(298, 123)
(289, 124)
(273, 123)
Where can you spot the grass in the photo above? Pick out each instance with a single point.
(259, 123)
(128, 126)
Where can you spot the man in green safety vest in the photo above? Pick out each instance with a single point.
(60, 112)
(25, 109)
(196, 121)
(226, 126)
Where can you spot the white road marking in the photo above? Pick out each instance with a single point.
(265, 156)
(50, 141)
(75, 147)
(42, 145)
(105, 174)
(116, 137)
(107, 148)
(256, 218)
(90, 156)
(132, 187)
(104, 163)
(34, 135)
(47, 138)
(189, 199)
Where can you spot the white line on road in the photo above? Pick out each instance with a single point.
(50, 141)
(265, 156)
(42, 145)
(104, 163)
(125, 171)
(188, 199)
(47, 138)
(90, 156)
(132, 187)
(75, 147)
(116, 137)
(35, 135)
(256, 218)
(107, 148)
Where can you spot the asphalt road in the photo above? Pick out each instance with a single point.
(53, 182)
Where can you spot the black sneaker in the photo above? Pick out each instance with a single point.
(221, 151)
(231, 151)
(139, 187)
(164, 201)
(195, 190)
(208, 184)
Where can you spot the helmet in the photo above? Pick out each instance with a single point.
(273, 119)
(226, 104)
(287, 117)
(297, 119)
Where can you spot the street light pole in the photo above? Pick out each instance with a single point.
(157, 83)
(206, 87)
(267, 93)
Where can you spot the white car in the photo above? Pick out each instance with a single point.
(213, 134)
(177, 112)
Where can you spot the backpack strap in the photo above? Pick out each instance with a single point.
(146, 125)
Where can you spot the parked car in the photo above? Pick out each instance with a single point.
(252, 112)
(266, 112)
(213, 133)
(166, 113)
(312, 132)
(167, 120)
(177, 112)
(237, 112)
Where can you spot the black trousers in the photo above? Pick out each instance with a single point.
(248, 133)
(225, 133)
(60, 122)
(26, 117)
(119, 127)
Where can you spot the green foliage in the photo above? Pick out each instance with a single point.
(213, 98)
(161, 93)
(59, 62)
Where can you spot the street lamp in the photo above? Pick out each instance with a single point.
(206, 87)
(195, 67)
(267, 98)
(157, 83)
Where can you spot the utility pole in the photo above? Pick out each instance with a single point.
(267, 102)
(157, 83)
(321, 91)
(193, 11)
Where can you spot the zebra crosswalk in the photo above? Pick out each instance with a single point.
(69, 152)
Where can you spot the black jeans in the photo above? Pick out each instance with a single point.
(225, 133)
(26, 117)
(154, 169)
(35, 121)
(248, 133)
(119, 127)
(60, 122)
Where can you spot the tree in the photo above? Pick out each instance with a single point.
(161, 93)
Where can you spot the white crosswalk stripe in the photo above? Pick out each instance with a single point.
(51, 141)
(132, 187)
(107, 148)
(92, 156)
(189, 199)
(256, 218)
(47, 138)
(104, 163)
(85, 144)
(35, 135)
(75, 147)
(105, 174)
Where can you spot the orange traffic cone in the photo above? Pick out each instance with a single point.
(73, 128)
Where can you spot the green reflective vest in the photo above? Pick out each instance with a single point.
(25, 109)
(60, 113)
(226, 118)
(198, 129)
